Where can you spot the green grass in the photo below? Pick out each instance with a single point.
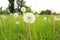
(40, 30)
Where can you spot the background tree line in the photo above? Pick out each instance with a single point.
(21, 3)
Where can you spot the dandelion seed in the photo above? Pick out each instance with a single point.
(29, 18)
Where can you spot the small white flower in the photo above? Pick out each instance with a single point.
(45, 18)
(3, 16)
(17, 22)
(23, 9)
(15, 15)
(29, 18)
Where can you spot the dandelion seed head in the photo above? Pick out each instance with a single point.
(15, 15)
(23, 9)
(29, 18)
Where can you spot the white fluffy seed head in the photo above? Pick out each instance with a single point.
(15, 15)
(29, 18)
(23, 9)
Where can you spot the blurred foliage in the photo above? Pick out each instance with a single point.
(28, 9)
(35, 12)
(6, 11)
(46, 12)
(0, 10)
(20, 4)
(11, 5)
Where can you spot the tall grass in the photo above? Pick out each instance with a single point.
(40, 30)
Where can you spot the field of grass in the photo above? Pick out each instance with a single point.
(40, 30)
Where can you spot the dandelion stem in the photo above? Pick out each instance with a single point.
(29, 31)
(54, 27)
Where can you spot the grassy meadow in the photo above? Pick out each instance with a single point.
(42, 29)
